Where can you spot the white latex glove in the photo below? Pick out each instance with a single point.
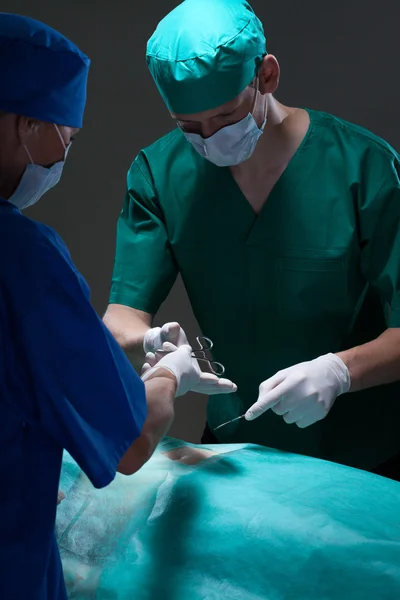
(181, 364)
(170, 332)
(208, 383)
(305, 393)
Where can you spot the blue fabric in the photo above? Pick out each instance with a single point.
(43, 74)
(64, 383)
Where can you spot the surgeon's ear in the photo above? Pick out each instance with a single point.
(269, 73)
(26, 127)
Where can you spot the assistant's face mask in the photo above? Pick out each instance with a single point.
(37, 180)
(232, 144)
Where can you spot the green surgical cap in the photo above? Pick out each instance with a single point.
(205, 53)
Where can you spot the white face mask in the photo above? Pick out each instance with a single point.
(37, 180)
(232, 144)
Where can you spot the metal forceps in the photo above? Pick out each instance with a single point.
(205, 346)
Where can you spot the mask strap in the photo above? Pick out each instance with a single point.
(29, 154)
(255, 95)
(265, 110)
(255, 99)
(66, 148)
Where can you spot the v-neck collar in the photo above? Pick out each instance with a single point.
(243, 204)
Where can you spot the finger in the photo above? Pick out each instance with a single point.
(271, 383)
(294, 416)
(145, 368)
(288, 403)
(164, 358)
(268, 400)
(170, 332)
(60, 497)
(310, 419)
(168, 347)
(279, 409)
(211, 384)
(151, 359)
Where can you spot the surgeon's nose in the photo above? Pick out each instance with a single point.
(208, 128)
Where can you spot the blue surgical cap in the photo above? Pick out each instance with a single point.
(42, 74)
(204, 53)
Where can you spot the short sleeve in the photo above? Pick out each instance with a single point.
(86, 395)
(379, 222)
(144, 266)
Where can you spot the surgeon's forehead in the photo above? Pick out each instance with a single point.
(227, 108)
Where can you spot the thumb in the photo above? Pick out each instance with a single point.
(168, 347)
(185, 348)
(270, 393)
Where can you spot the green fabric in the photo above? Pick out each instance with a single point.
(248, 524)
(309, 275)
(204, 53)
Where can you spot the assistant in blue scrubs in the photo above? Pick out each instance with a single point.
(64, 380)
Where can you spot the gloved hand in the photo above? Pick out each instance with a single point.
(304, 393)
(208, 383)
(181, 364)
(170, 332)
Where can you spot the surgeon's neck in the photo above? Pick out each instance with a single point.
(275, 145)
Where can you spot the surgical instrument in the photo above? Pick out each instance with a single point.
(228, 422)
(205, 346)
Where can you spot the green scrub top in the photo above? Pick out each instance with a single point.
(317, 271)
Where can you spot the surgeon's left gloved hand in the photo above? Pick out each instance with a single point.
(157, 336)
(305, 393)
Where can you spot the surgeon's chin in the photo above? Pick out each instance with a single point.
(189, 456)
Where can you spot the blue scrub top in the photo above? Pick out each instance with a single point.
(64, 383)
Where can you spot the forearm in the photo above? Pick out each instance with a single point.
(160, 396)
(133, 347)
(129, 328)
(375, 363)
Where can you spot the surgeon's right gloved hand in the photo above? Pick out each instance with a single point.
(208, 383)
(157, 336)
(180, 363)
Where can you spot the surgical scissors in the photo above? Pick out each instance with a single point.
(205, 346)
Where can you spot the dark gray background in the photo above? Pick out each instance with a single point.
(340, 57)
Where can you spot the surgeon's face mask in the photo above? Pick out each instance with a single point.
(37, 180)
(232, 144)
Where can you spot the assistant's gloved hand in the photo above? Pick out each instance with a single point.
(157, 336)
(208, 383)
(180, 363)
(305, 393)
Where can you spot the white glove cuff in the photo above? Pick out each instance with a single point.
(146, 375)
(340, 370)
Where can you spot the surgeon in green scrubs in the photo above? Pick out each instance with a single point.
(285, 226)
